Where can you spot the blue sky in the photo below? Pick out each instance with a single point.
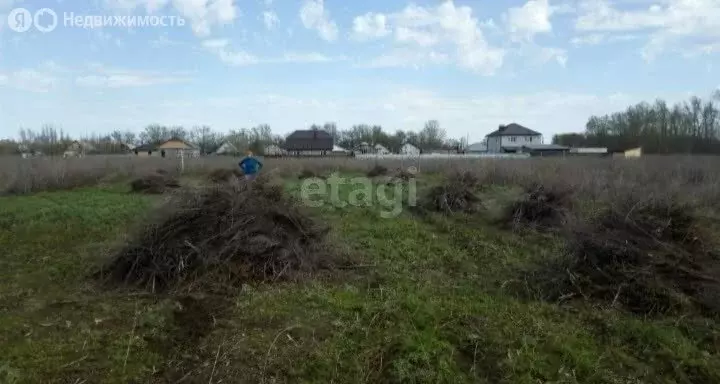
(472, 65)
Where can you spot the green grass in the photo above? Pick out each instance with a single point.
(429, 304)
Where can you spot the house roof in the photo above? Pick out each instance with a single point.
(146, 147)
(189, 145)
(226, 146)
(513, 130)
(313, 140)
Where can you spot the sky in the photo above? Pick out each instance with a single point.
(230, 64)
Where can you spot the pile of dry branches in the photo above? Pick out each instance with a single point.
(221, 236)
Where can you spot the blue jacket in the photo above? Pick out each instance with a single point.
(250, 165)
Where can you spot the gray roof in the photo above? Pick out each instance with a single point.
(514, 130)
(312, 140)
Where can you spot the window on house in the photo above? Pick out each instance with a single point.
(513, 139)
(528, 138)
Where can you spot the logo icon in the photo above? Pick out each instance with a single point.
(44, 14)
(20, 20)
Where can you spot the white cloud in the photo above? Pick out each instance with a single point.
(126, 80)
(529, 20)
(221, 48)
(31, 80)
(600, 38)
(270, 19)
(370, 26)
(407, 59)
(96, 75)
(292, 57)
(164, 41)
(201, 14)
(7, 4)
(559, 55)
(670, 23)
(314, 16)
(591, 39)
(443, 31)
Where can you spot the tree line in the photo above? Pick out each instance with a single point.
(692, 126)
(50, 140)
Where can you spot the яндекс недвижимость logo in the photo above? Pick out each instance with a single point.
(46, 20)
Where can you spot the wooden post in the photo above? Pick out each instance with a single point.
(182, 162)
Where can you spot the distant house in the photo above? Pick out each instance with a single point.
(381, 150)
(409, 149)
(632, 152)
(78, 149)
(511, 137)
(226, 148)
(544, 150)
(25, 151)
(178, 148)
(127, 147)
(580, 151)
(477, 148)
(314, 142)
(144, 150)
(364, 148)
(274, 150)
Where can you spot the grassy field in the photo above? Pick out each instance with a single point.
(430, 299)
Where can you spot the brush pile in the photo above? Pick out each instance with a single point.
(157, 183)
(308, 173)
(224, 175)
(539, 208)
(220, 237)
(456, 195)
(377, 170)
(404, 175)
(647, 259)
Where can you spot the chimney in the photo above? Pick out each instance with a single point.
(502, 127)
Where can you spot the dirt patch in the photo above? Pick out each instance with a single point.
(154, 184)
(648, 259)
(223, 175)
(222, 236)
(539, 208)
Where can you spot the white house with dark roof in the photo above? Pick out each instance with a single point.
(511, 137)
(409, 149)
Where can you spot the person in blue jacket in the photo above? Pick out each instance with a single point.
(250, 166)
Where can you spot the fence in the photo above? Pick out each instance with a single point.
(443, 156)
